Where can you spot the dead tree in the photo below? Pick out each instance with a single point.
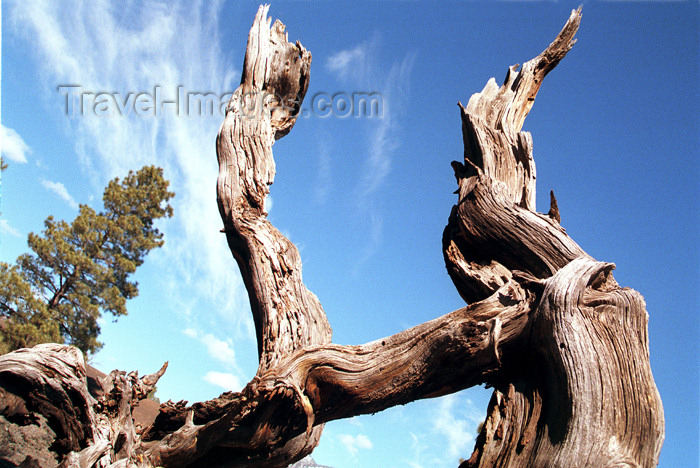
(564, 347)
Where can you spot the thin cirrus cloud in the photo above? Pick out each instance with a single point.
(385, 140)
(325, 171)
(456, 420)
(132, 49)
(355, 443)
(223, 352)
(224, 380)
(5, 228)
(13, 146)
(60, 191)
(362, 66)
(446, 426)
(353, 64)
(218, 349)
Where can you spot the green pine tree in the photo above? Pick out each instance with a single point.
(79, 271)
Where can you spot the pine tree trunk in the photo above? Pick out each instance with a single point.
(565, 347)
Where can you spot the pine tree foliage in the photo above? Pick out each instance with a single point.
(79, 271)
(25, 318)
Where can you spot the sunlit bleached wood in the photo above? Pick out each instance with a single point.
(564, 347)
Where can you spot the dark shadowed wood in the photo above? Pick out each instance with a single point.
(563, 345)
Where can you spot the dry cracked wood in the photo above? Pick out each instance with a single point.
(82, 424)
(565, 347)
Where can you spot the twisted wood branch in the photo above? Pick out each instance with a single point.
(547, 326)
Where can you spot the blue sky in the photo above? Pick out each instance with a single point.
(365, 199)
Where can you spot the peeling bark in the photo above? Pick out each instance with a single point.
(565, 348)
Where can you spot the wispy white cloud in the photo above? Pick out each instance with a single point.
(224, 380)
(13, 146)
(218, 349)
(355, 64)
(361, 66)
(356, 421)
(223, 352)
(131, 49)
(456, 420)
(325, 170)
(443, 431)
(355, 443)
(385, 139)
(418, 447)
(344, 61)
(60, 190)
(5, 228)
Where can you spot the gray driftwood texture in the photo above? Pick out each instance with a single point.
(564, 347)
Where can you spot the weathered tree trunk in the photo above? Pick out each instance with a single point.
(565, 348)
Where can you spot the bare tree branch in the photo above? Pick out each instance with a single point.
(547, 326)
